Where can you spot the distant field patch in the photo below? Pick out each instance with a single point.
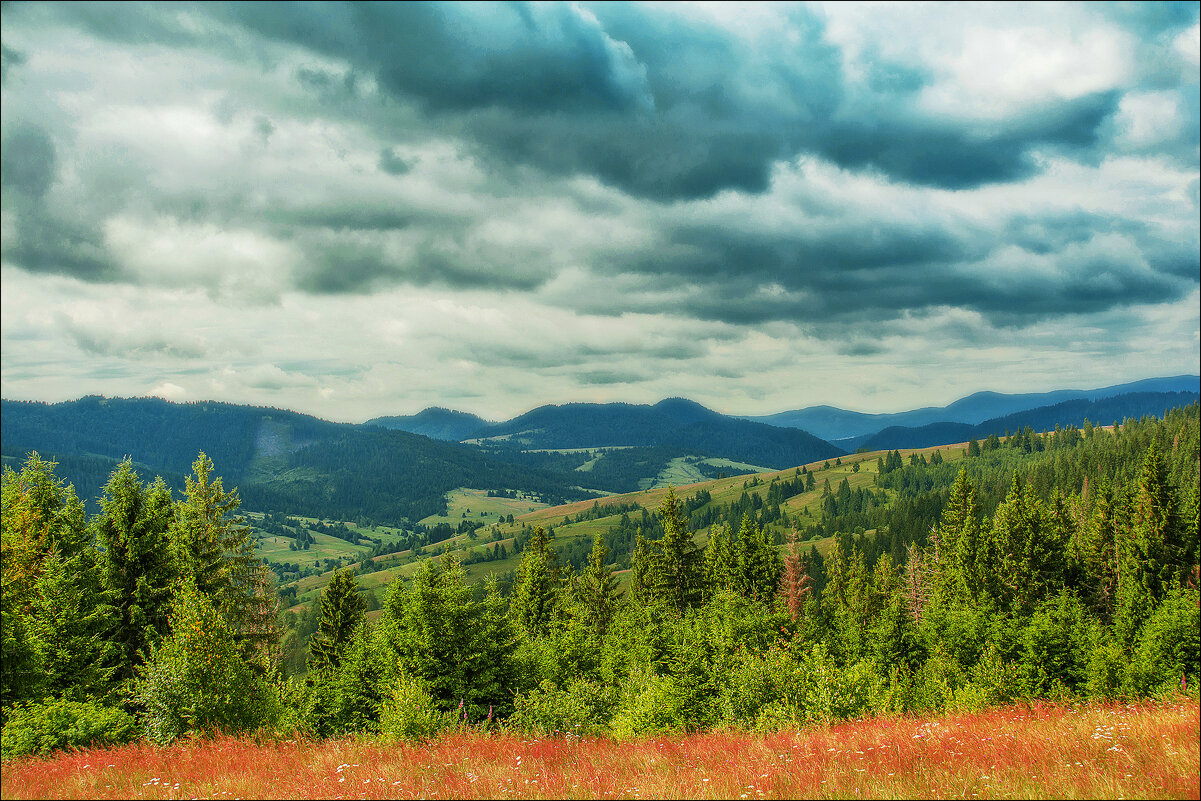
(474, 504)
(685, 470)
(276, 549)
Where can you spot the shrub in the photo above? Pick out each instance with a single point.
(297, 702)
(756, 682)
(993, 682)
(651, 705)
(410, 711)
(39, 728)
(196, 681)
(1169, 646)
(582, 707)
(1104, 667)
(935, 683)
(1054, 648)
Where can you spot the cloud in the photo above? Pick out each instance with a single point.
(488, 201)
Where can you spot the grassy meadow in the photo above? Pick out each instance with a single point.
(474, 504)
(1146, 750)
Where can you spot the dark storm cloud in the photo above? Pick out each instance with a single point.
(868, 271)
(393, 164)
(44, 240)
(27, 161)
(605, 377)
(666, 107)
(646, 99)
(9, 58)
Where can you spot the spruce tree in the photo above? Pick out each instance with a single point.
(719, 561)
(457, 649)
(598, 589)
(962, 564)
(137, 567)
(758, 562)
(45, 567)
(794, 582)
(645, 564)
(342, 610)
(1029, 567)
(681, 564)
(536, 595)
(213, 545)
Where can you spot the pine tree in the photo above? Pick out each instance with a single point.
(457, 649)
(43, 532)
(1156, 543)
(644, 570)
(598, 589)
(1030, 548)
(358, 690)
(342, 610)
(962, 565)
(213, 545)
(794, 581)
(758, 562)
(138, 570)
(719, 561)
(681, 567)
(536, 595)
(69, 626)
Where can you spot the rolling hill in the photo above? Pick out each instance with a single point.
(1068, 413)
(834, 424)
(278, 459)
(435, 423)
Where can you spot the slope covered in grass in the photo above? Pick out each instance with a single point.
(1098, 751)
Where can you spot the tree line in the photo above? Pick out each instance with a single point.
(1074, 576)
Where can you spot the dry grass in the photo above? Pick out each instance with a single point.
(1113, 751)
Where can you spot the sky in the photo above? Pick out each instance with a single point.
(361, 210)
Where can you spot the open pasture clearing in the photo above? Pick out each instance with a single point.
(274, 548)
(1145, 750)
(474, 504)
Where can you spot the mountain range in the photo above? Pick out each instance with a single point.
(400, 468)
(834, 424)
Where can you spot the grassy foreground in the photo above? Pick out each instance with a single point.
(1114, 751)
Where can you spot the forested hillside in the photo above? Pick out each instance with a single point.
(839, 425)
(279, 460)
(444, 424)
(1044, 418)
(677, 424)
(1061, 565)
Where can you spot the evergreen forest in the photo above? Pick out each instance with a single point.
(1060, 565)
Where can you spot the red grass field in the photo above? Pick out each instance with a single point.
(1113, 751)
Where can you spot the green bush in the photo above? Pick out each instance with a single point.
(410, 712)
(755, 682)
(1105, 666)
(1169, 646)
(196, 681)
(935, 683)
(992, 682)
(1054, 646)
(651, 705)
(40, 728)
(582, 707)
(296, 700)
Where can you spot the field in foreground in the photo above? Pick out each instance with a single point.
(1113, 751)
